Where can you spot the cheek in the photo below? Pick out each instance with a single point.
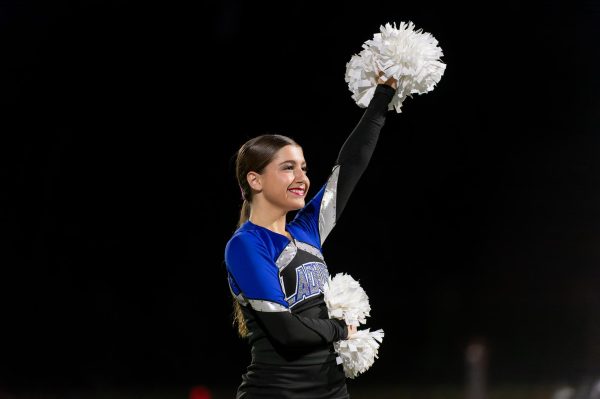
(290, 178)
(286, 180)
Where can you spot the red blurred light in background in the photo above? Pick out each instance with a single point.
(200, 392)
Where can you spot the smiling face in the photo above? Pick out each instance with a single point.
(284, 182)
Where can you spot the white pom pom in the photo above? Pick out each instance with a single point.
(346, 299)
(359, 352)
(410, 56)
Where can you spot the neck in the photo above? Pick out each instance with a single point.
(271, 218)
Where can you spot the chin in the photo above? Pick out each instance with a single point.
(297, 205)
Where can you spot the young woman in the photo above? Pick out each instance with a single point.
(276, 271)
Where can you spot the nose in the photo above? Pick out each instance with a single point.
(301, 175)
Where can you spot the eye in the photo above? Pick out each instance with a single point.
(291, 167)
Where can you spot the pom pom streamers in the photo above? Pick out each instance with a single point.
(346, 299)
(410, 56)
(359, 352)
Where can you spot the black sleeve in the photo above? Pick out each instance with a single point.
(292, 330)
(358, 148)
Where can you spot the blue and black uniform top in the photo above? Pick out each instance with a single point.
(279, 282)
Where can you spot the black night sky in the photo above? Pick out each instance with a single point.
(478, 218)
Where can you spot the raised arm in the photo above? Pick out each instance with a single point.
(356, 152)
(320, 215)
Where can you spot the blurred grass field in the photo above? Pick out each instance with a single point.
(356, 392)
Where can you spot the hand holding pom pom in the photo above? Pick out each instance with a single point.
(346, 299)
(410, 57)
(390, 81)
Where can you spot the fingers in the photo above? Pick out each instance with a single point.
(391, 81)
(352, 329)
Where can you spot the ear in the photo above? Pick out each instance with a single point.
(254, 181)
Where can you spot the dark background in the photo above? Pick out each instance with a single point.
(478, 218)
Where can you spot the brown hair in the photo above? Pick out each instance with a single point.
(253, 156)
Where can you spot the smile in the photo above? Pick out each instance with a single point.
(297, 191)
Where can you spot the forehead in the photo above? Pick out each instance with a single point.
(289, 153)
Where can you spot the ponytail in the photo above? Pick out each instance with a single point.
(238, 318)
(244, 213)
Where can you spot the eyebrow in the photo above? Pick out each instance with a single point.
(291, 161)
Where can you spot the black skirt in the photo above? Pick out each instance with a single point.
(269, 381)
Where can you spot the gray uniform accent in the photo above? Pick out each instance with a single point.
(327, 212)
(286, 256)
(267, 306)
(310, 249)
(240, 297)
